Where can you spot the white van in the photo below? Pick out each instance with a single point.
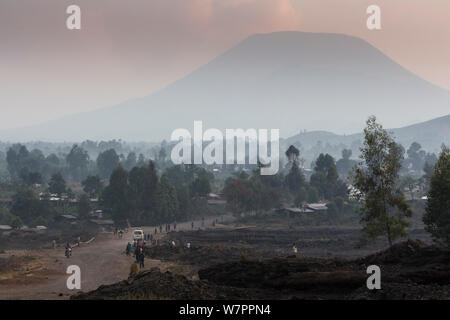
(138, 234)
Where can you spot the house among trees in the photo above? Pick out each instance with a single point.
(5, 227)
(307, 208)
(67, 217)
(317, 206)
(293, 211)
(215, 199)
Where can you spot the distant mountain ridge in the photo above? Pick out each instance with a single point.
(286, 80)
(429, 134)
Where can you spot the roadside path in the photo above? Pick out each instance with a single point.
(103, 261)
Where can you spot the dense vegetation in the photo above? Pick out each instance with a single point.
(37, 186)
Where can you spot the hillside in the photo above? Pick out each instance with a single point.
(430, 134)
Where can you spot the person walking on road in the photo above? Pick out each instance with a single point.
(136, 252)
(141, 258)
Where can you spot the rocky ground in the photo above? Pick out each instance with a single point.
(319, 242)
(156, 285)
(410, 270)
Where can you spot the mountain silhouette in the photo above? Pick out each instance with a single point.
(287, 80)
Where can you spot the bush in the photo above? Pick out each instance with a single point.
(16, 223)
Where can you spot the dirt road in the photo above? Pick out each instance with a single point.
(103, 261)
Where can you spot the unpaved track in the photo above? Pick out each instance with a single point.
(103, 261)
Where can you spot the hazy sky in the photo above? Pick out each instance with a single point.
(131, 48)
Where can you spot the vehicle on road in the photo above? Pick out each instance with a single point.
(138, 234)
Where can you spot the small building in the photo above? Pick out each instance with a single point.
(215, 199)
(97, 214)
(69, 216)
(290, 211)
(317, 206)
(5, 227)
(102, 222)
(66, 217)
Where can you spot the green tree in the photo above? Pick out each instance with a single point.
(27, 205)
(292, 153)
(416, 157)
(5, 215)
(184, 202)
(437, 211)
(131, 161)
(325, 178)
(239, 195)
(84, 206)
(93, 186)
(144, 184)
(167, 201)
(163, 152)
(107, 161)
(428, 169)
(409, 183)
(295, 178)
(313, 195)
(332, 210)
(301, 197)
(345, 164)
(30, 178)
(57, 184)
(24, 165)
(118, 197)
(201, 186)
(78, 160)
(16, 223)
(384, 209)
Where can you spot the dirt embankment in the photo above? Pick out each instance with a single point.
(410, 270)
(156, 285)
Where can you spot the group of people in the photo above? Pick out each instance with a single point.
(119, 232)
(67, 247)
(139, 252)
(138, 246)
(167, 227)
